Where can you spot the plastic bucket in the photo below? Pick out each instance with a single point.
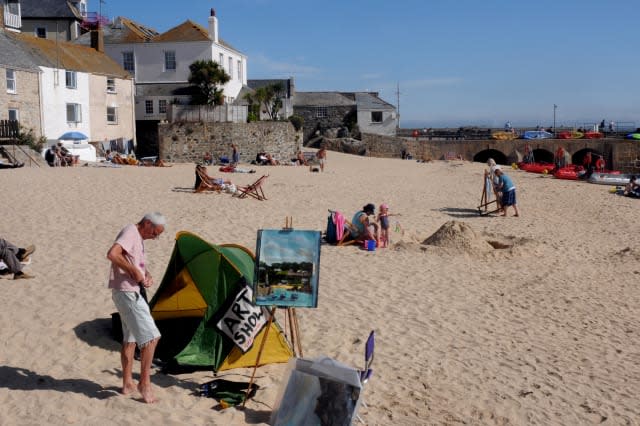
(370, 245)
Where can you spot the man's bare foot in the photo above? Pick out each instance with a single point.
(503, 215)
(147, 394)
(516, 215)
(127, 388)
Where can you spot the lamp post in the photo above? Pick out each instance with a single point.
(554, 118)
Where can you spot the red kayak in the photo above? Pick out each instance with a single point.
(570, 172)
(536, 167)
(593, 135)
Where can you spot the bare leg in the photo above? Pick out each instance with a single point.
(146, 358)
(516, 209)
(126, 358)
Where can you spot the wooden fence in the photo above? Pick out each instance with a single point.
(9, 129)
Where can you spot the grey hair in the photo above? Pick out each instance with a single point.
(491, 162)
(156, 218)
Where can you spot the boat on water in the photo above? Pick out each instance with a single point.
(615, 178)
(537, 134)
(536, 167)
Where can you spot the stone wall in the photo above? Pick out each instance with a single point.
(187, 142)
(335, 118)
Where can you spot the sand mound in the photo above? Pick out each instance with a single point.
(458, 236)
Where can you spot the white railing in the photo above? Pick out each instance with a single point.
(12, 20)
(218, 114)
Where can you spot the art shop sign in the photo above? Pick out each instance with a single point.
(243, 320)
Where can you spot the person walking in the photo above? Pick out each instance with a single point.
(12, 256)
(128, 280)
(508, 189)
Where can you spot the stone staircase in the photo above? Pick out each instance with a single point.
(22, 154)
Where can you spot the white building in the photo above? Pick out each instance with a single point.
(160, 62)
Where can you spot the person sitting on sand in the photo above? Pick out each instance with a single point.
(632, 189)
(300, 160)
(271, 161)
(363, 229)
(508, 189)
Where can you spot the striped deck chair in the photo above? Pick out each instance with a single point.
(254, 190)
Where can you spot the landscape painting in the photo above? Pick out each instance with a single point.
(287, 268)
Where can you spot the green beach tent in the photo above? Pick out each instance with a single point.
(199, 281)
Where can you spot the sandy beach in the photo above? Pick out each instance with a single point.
(544, 331)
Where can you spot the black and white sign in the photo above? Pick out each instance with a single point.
(243, 320)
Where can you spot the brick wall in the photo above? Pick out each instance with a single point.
(187, 142)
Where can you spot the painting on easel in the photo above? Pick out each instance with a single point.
(287, 268)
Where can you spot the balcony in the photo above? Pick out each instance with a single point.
(12, 20)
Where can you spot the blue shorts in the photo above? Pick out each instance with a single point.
(137, 323)
(509, 198)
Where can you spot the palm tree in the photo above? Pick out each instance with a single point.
(207, 76)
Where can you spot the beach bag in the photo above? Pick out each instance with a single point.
(331, 236)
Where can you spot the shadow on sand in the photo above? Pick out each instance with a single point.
(457, 212)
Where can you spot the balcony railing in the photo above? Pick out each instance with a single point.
(12, 20)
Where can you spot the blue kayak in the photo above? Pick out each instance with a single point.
(537, 134)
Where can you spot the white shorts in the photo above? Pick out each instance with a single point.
(137, 323)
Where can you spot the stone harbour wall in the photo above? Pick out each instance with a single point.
(187, 142)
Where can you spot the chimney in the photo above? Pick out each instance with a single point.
(97, 40)
(213, 26)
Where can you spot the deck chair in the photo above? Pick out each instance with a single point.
(202, 183)
(254, 190)
(332, 235)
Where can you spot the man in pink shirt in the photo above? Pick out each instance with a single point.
(127, 277)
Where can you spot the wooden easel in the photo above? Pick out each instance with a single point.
(291, 325)
(483, 208)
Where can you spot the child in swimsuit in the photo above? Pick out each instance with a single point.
(383, 218)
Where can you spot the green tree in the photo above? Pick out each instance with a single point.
(209, 77)
(268, 98)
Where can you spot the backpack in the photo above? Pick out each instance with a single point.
(331, 236)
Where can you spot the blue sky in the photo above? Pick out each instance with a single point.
(457, 62)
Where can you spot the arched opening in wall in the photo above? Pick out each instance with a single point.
(541, 155)
(578, 156)
(483, 156)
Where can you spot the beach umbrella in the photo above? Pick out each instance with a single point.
(73, 136)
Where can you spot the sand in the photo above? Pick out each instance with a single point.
(489, 320)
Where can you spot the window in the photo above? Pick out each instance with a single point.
(41, 32)
(321, 112)
(11, 81)
(376, 116)
(221, 60)
(14, 114)
(148, 107)
(112, 115)
(162, 106)
(13, 7)
(230, 66)
(111, 85)
(74, 113)
(127, 62)
(170, 60)
(71, 79)
(240, 70)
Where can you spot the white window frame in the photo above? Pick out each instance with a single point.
(239, 69)
(15, 112)
(170, 64)
(221, 60)
(113, 114)
(12, 84)
(37, 29)
(111, 85)
(71, 79)
(77, 113)
(230, 72)
(321, 112)
(148, 106)
(129, 61)
(162, 106)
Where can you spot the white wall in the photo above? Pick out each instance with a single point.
(387, 127)
(54, 103)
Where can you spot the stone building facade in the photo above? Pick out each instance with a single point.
(24, 101)
(188, 142)
(316, 120)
